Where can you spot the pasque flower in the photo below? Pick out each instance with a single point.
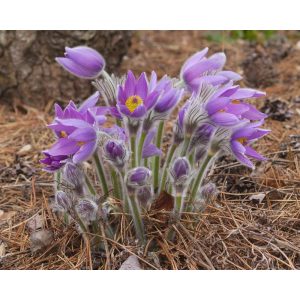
(135, 98)
(53, 162)
(116, 152)
(138, 177)
(199, 69)
(241, 139)
(180, 171)
(82, 61)
(150, 149)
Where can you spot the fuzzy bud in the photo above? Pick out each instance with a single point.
(138, 177)
(145, 196)
(87, 210)
(180, 172)
(63, 201)
(116, 152)
(74, 175)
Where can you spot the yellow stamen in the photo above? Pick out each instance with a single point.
(242, 140)
(80, 144)
(222, 110)
(133, 102)
(235, 102)
(63, 134)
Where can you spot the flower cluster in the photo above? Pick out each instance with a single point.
(216, 118)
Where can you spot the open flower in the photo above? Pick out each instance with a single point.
(79, 140)
(240, 143)
(82, 61)
(199, 69)
(135, 98)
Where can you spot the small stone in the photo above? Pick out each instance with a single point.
(258, 197)
(131, 263)
(25, 149)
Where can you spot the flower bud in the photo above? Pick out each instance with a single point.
(138, 177)
(63, 201)
(208, 192)
(180, 172)
(74, 175)
(87, 210)
(145, 196)
(82, 61)
(116, 152)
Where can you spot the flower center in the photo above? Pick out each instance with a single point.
(63, 134)
(235, 102)
(133, 102)
(242, 140)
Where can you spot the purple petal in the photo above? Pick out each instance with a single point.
(153, 81)
(83, 135)
(58, 111)
(139, 112)
(244, 93)
(86, 57)
(251, 152)
(194, 59)
(85, 152)
(253, 114)
(121, 95)
(151, 150)
(75, 69)
(224, 119)
(73, 122)
(217, 104)
(63, 146)
(237, 109)
(130, 83)
(230, 75)
(141, 88)
(151, 100)
(89, 102)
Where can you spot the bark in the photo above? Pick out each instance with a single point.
(29, 73)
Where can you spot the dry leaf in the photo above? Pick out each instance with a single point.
(131, 263)
(6, 216)
(2, 249)
(25, 149)
(40, 239)
(165, 201)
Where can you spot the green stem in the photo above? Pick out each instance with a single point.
(89, 185)
(137, 219)
(115, 181)
(185, 146)
(57, 181)
(157, 158)
(202, 172)
(133, 150)
(166, 166)
(101, 174)
(141, 144)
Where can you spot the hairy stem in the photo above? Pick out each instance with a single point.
(185, 146)
(156, 164)
(133, 150)
(101, 174)
(89, 185)
(166, 166)
(140, 147)
(115, 181)
(137, 219)
(198, 180)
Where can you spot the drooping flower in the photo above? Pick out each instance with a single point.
(135, 98)
(198, 69)
(240, 143)
(145, 196)
(87, 209)
(138, 177)
(82, 61)
(53, 162)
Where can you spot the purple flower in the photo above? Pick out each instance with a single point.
(53, 162)
(198, 69)
(135, 98)
(240, 143)
(80, 140)
(87, 210)
(64, 201)
(82, 61)
(138, 177)
(116, 152)
(150, 149)
(180, 171)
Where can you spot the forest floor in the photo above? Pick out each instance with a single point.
(253, 224)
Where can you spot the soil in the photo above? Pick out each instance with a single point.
(254, 222)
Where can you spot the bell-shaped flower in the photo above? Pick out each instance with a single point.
(82, 62)
(138, 177)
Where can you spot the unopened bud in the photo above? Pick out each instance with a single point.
(74, 175)
(63, 201)
(87, 210)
